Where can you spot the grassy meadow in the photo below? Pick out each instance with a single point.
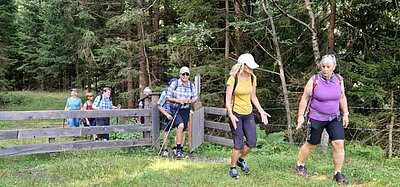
(272, 162)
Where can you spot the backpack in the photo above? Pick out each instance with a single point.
(234, 87)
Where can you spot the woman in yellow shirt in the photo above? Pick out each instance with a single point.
(240, 94)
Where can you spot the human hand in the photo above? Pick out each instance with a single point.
(345, 120)
(169, 117)
(300, 121)
(233, 119)
(264, 117)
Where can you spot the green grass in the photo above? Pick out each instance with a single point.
(271, 163)
(141, 167)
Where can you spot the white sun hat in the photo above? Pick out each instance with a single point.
(248, 59)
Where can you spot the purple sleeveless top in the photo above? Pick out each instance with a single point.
(325, 99)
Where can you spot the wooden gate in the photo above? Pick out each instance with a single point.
(199, 124)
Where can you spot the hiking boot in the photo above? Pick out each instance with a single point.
(179, 154)
(340, 178)
(233, 173)
(243, 166)
(301, 170)
(165, 153)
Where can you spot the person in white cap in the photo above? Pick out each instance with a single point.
(181, 92)
(240, 94)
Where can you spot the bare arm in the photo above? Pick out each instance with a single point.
(165, 113)
(254, 100)
(228, 100)
(228, 105)
(303, 103)
(84, 108)
(344, 107)
(66, 105)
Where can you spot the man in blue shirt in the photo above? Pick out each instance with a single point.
(184, 93)
(103, 102)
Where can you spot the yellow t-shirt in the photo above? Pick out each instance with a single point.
(242, 97)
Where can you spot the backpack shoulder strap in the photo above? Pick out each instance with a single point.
(252, 79)
(234, 84)
(315, 82)
(340, 78)
(176, 84)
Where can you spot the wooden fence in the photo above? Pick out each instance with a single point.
(150, 129)
(152, 126)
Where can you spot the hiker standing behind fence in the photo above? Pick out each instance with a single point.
(73, 103)
(103, 102)
(88, 105)
(183, 92)
(240, 94)
(324, 98)
(165, 109)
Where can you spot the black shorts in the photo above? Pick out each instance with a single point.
(315, 128)
(182, 117)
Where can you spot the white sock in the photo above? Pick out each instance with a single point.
(298, 164)
(335, 172)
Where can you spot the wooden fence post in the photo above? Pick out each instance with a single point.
(155, 126)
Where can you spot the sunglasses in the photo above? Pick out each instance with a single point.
(89, 96)
(183, 74)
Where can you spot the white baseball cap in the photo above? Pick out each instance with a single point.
(248, 59)
(184, 69)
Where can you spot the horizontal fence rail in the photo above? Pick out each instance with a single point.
(69, 132)
(60, 114)
(70, 146)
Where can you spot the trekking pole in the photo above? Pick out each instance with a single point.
(171, 123)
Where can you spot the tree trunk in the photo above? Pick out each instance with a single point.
(226, 30)
(281, 73)
(129, 78)
(77, 77)
(314, 36)
(350, 35)
(155, 31)
(331, 31)
(143, 81)
(390, 142)
(226, 37)
(238, 48)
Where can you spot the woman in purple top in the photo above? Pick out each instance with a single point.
(326, 102)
